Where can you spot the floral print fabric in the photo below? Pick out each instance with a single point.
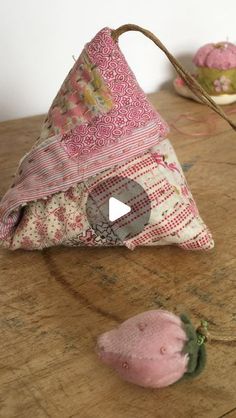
(132, 109)
(83, 96)
(61, 219)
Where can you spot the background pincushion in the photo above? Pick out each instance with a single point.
(221, 56)
(216, 68)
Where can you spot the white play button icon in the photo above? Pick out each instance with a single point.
(117, 209)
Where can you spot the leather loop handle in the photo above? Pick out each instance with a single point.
(191, 82)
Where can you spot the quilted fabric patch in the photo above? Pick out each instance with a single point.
(62, 219)
(83, 96)
(131, 110)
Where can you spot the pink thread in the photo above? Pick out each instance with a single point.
(210, 126)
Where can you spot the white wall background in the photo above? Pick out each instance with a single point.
(39, 37)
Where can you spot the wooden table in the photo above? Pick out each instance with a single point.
(55, 303)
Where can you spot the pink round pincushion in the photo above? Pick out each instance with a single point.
(216, 68)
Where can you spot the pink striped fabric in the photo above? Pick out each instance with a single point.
(48, 170)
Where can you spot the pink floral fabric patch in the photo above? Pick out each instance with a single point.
(62, 220)
(131, 110)
(83, 96)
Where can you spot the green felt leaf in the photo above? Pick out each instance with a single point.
(195, 350)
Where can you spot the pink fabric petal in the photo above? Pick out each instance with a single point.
(221, 56)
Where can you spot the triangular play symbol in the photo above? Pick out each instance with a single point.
(117, 209)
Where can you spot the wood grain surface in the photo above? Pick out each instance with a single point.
(54, 303)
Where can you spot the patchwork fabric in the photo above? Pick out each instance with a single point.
(83, 96)
(100, 124)
(131, 109)
(61, 219)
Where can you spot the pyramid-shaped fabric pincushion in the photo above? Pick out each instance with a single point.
(100, 124)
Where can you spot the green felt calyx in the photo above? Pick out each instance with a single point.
(194, 346)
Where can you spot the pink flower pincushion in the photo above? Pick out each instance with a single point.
(221, 55)
(153, 349)
(216, 68)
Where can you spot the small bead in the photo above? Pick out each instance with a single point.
(125, 365)
(142, 326)
(162, 350)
